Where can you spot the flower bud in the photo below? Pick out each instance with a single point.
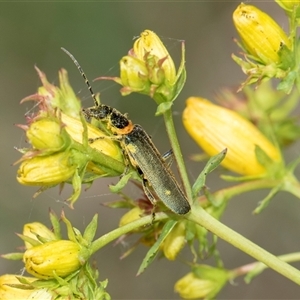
(106, 145)
(215, 128)
(62, 97)
(261, 35)
(37, 231)
(175, 241)
(133, 75)
(288, 5)
(132, 215)
(204, 282)
(61, 257)
(47, 133)
(46, 170)
(150, 43)
(8, 292)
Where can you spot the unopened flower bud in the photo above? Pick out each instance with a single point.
(61, 257)
(47, 133)
(203, 282)
(175, 241)
(261, 35)
(150, 44)
(133, 75)
(132, 215)
(46, 170)
(37, 231)
(107, 146)
(215, 128)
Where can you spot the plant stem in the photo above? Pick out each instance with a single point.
(177, 152)
(201, 217)
(226, 194)
(116, 233)
(257, 267)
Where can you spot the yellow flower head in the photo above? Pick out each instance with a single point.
(215, 128)
(261, 35)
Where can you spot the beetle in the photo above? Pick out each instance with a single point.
(141, 152)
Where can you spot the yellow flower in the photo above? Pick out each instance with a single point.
(215, 128)
(203, 282)
(37, 231)
(175, 241)
(8, 292)
(61, 257)
(47, 170)
(261, 35)
(150, 44)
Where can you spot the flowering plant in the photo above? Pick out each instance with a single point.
(71, 145)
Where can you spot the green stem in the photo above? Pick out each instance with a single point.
(112, 166)
(293, 38)
(116, 233)
(258, 267)
(177, 152)
(202, 218)
(230, 192)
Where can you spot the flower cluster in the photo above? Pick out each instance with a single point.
(149, 69)
(59, 267)
(64, 148)
(59, 136)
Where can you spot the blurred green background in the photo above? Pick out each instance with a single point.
(99, 34)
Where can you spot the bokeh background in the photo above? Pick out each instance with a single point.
(99, 33)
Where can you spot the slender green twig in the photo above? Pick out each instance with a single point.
(116, 233)
(201, 217)
(177, 152)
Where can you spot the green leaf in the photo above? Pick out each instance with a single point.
(212, 164)
(90, 230)
(55, 224)
(163, 107)
(13, 256)
(122, 182)
(287, 83)
(151, 254)
(265, 202)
